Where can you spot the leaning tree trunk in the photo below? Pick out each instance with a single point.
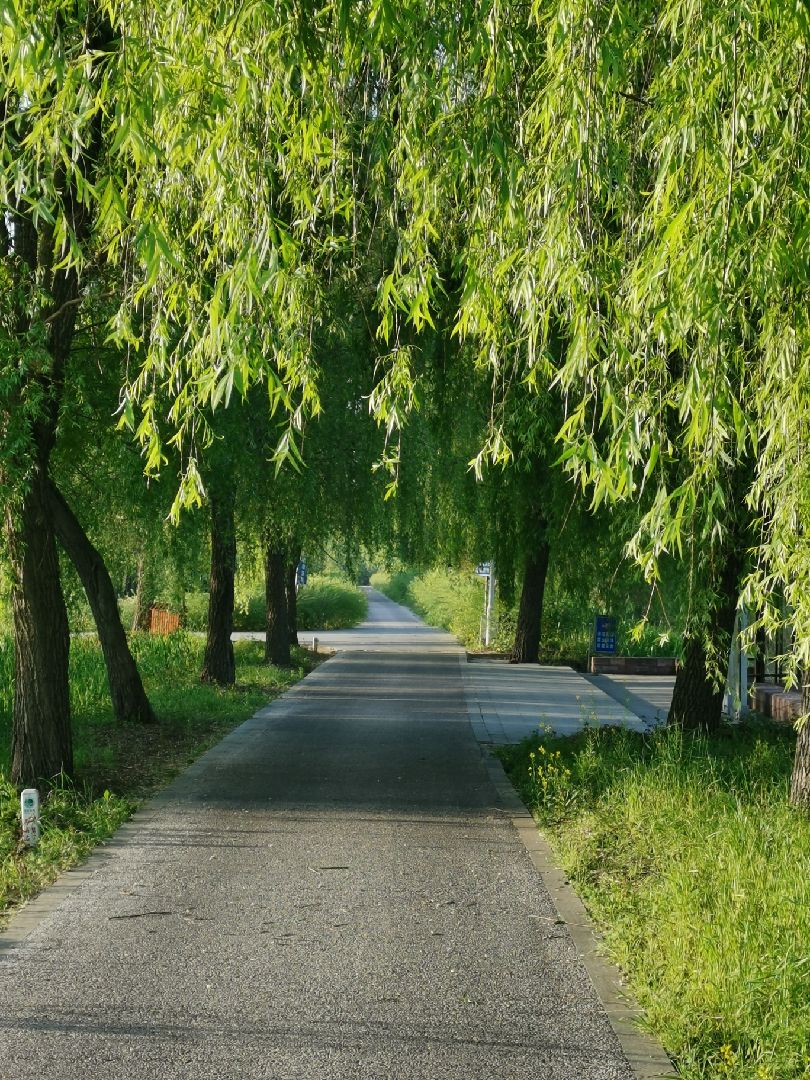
(277, 639)
(219, 665)
(530, 612)
(800, 780)
(697, 698)
(42, 743)
(292, 601)
(41, 737)
(129, 699)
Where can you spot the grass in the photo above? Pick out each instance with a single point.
(118, 766)
(448, 598)
(698, 873)
(454, 600)
(330, 604)
(325, 603)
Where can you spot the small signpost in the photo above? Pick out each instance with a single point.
(29, 815)
(604, 635)
(485, 570)
(301, 574)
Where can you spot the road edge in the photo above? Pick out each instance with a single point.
(645, 1054)
(22, 922)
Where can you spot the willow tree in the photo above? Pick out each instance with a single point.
(155, 140)
(645, 200)
(683, 289)
(630, 178)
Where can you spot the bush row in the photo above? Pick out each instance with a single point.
(325, 603)
(454, 600)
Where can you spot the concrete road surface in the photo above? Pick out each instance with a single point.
(331, 892)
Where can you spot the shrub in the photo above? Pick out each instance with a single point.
(451, 599)
(330, 604)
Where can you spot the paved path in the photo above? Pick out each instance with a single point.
(331, 892)
(647, 696)
(510, 701)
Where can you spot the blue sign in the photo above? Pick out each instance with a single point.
(301, 573)
(604, 635)
(484, 569)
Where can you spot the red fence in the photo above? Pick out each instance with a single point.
(163, 622)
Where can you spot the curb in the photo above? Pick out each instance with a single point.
(645, 1055)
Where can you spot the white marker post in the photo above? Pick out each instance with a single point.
(490, 605)
(29, 815)
(486, 570)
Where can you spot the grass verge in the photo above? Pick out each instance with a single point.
(330, 604)
(117, 767)
(451, 599)
(326, 603)
(697, 871)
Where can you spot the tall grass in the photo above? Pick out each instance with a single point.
(328, 603)
(451, 599)
(690, 860)
(454, 599)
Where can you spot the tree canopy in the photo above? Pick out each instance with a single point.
(605, 206)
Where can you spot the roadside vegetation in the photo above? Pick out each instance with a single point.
(331, 604)
(697, 872)
(118, 766)
(326, 602)
(450, 599)
(454, 600)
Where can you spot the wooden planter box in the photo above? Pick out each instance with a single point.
(632, 665)
(163, 622)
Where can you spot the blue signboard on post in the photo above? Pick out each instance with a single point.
(604, 635)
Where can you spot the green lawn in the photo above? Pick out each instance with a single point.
(698, 872)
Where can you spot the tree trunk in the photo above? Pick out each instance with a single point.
(800, 780)
(530, 613)
(144, 595)
(41, 737)
(292, 596)
(219, 665)
(697, 701)
(129, 699)
(277, 640)
(42, 743)
(697, 698)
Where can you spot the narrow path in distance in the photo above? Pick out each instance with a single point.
(331, 892)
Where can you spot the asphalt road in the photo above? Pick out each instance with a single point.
(331, 892)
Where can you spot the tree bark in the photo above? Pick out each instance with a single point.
(129, 699)
(292, 598)
(697, 698)
(526, 647)
(219, 665)
(42, 743)
(697, 701)
(277, 639)
(41, 737)
(144, 597)
(800, 779)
